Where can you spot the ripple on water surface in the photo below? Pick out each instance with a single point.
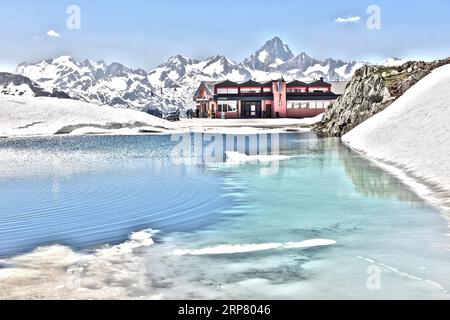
(110, 194)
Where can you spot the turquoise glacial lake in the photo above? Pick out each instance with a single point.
(320, 222)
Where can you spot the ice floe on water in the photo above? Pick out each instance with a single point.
(245, 248)
(59, 272)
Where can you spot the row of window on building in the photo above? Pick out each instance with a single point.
(319, 104)
(268, 90)
(306, 90)
(243, 90)
(231, 106)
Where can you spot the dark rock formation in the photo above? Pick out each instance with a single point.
(371, 90)
(9, 81)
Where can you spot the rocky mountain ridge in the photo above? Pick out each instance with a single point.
(172, 84)
(17, 85)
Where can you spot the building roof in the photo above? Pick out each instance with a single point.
(297, 83)
(251, 83)
(227, 83)
(209, 86)
(319, 83)
(337, 87)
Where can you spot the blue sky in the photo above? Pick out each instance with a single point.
(143, 34)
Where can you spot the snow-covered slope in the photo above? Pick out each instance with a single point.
(172, 84)
(23, 116)
(413, 133)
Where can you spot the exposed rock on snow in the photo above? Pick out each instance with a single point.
(23, 116)
(372, 89)
(413, 133)
(17, 85)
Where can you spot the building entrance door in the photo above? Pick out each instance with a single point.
(268, 112)
(251, 110)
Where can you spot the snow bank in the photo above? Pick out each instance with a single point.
(24, 116)
(414, 132)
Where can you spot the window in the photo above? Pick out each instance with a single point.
(229, 106)
(294, 104)
(296, 90)
(250, 90)
(320, 104)
(227, 90)
(318, 89)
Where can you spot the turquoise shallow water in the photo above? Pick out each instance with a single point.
(84, 192)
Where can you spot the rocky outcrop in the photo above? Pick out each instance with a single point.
(371, 90)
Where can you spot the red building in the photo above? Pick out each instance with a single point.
(272, 99)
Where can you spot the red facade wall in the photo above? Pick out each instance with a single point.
(279, 103)
(228, 115)
(303, 113)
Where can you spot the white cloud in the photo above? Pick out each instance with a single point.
(53, 34)
(354, 19)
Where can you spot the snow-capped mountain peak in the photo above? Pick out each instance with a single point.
(271, 55)
(172, 84)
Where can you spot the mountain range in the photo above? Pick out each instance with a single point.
(172, 84)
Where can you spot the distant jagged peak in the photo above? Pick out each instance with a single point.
(179, 60)
(271, 55)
